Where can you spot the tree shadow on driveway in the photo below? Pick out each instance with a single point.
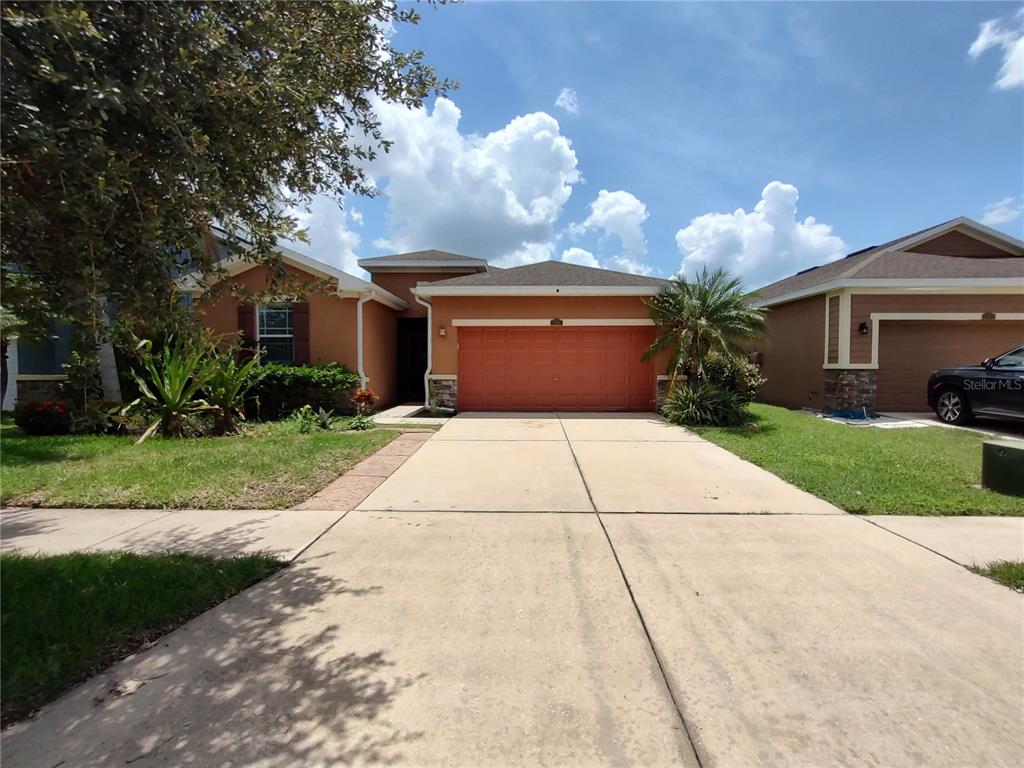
(263, 679)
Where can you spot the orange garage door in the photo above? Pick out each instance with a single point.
(555, 368)
(910, 351)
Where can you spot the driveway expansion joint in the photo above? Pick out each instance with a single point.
(636, 608)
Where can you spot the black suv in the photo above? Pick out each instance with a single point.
(995, 388)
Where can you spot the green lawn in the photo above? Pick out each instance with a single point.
(928, 471)
(273, 466)
(1008, 572)
(65, 617)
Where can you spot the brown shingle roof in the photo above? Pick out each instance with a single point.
(553, 273)
(429, 255)
(881, 262)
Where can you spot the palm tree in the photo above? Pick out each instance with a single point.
(695, 317)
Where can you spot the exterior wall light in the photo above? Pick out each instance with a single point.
(864, 329)
(442, 331)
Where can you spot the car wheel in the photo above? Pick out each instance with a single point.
(952, 407)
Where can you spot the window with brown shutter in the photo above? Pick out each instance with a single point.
(275, 328)
(300, 332)
(247, 324)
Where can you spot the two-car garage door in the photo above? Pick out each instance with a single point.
(555, 368)
(909, 351)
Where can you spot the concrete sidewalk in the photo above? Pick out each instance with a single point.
(221, 532)
(968, 541)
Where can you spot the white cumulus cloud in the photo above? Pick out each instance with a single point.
(330, 238)
(619, 214)
(763, 245)
(529, 253)
(1003, 211)
(585, 258)
(580, 256)
(495, 196)
(568, 100)
(626, 264)
(1006, 35)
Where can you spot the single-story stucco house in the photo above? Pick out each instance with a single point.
(453, 332)
(439, 328)
(867, 330)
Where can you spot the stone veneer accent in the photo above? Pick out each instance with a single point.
(444, 391)
(662, 392)
(850, 388)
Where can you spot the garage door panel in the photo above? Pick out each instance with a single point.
(910, 351)
(555, 368)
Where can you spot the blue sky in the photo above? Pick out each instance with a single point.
(874, 119)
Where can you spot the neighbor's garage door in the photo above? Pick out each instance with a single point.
(910, 351)
(549, 368)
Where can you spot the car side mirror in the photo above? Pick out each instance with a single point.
(988, 363)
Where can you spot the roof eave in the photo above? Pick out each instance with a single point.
(429, 290)
(949, 283)
(346, 283)
(422, 266)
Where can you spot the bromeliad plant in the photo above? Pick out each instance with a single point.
(175, 377)
(226, 387)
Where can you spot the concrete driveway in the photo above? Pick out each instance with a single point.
(415, 636)
(579, 463)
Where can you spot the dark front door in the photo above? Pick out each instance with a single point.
(412, 358)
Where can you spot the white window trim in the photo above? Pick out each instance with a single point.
(275, 335)
(546, 321)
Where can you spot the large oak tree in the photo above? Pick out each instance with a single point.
(129, 128)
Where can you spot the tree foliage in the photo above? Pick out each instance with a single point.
(696, 317)
(129, 128)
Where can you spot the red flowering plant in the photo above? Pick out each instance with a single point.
(43, 417)
(363, 399)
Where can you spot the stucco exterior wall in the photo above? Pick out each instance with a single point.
(401, 284)
(332, 320)
(862, 305)
(445, 350)
(792, 356)
(379, 353)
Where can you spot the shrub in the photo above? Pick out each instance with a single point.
(283, 389)
(703, 403)
(360, 422)
(175, 377)
(734, 374)
(96, 418)
(43, 417)
(306, 419)
(225, 390)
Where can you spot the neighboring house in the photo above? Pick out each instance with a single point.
(867, 330)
